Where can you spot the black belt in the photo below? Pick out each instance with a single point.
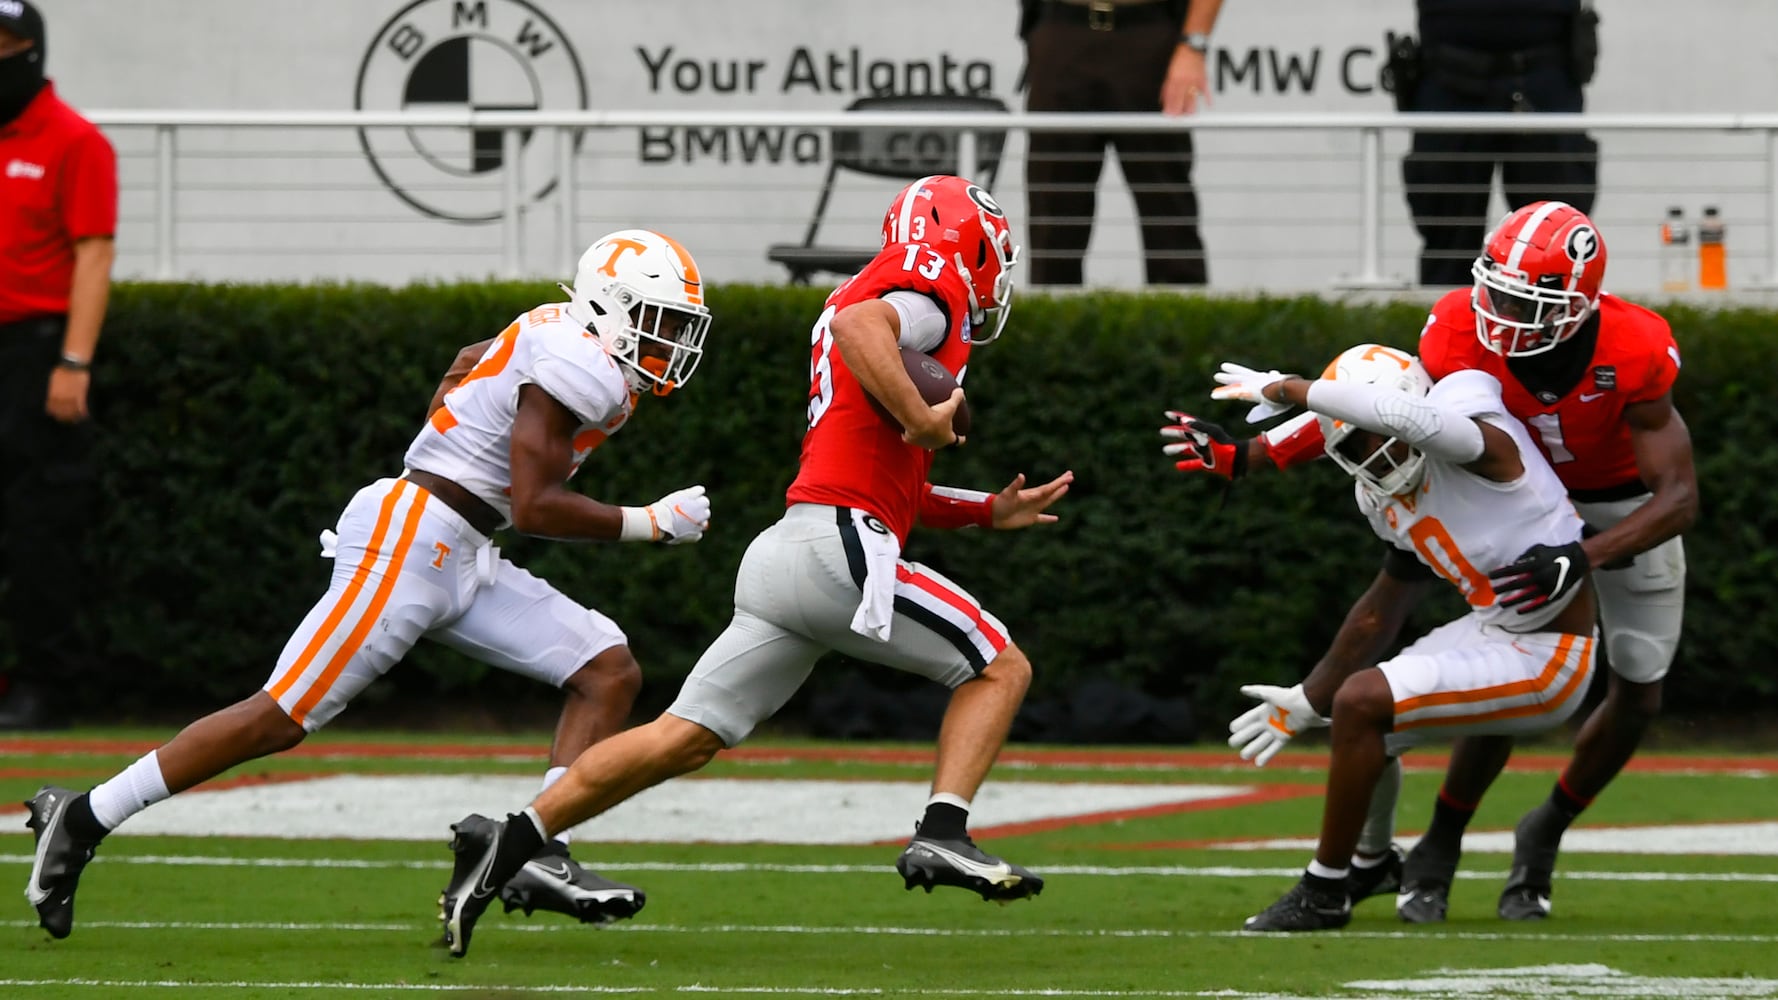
(35, 324)
(1480, 64)
(478, 512)
(1622, 491)
(1108, 17)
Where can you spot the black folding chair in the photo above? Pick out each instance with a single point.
(902, 154)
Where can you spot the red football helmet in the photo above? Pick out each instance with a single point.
(961, 223)
(1537, 279)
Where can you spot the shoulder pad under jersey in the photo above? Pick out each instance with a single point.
(570, 364)
(1469, 392)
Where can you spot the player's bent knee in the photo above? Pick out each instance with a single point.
(688, 745)
(1010, 667)
(268, 727)
(611, 674)
(1364, 699)
(1633, 703)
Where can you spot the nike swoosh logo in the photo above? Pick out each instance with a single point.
(992, 873)
(1404, 898)
(482, 888)
(1562, 567)
(1588, 397)
(559, 871)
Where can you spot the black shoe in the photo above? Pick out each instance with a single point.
(1378, 880)
(473, 840)
(554, 881)
(1303, 908)
(1426, 875)
(928, 861)
(1536, 841)
(60, 858)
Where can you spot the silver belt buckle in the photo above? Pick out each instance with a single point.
(1100, 16)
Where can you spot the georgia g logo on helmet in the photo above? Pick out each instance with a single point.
(984, 201)
(1582, 245)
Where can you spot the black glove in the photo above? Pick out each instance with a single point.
(1541, 574)
(1201, 446)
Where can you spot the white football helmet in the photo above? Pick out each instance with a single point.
(641, 293)
(1387, 368)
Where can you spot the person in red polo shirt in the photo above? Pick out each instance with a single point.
(58, 214)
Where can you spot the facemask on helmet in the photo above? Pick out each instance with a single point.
(967, 228)
(641, 294)
(1537, 279)
(1383, 465)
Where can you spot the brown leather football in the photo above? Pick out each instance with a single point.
(935, 384)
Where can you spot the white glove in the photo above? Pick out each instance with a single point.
(1261, 731)
(1248, 385)
(678, 518)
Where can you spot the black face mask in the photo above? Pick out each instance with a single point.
(21, 77)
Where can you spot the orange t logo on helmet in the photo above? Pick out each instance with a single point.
(618, 246)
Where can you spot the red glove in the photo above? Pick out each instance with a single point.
(1201, 446)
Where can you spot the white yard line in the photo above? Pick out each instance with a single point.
(743, 867)
(797, 930)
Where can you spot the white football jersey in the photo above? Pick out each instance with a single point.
(1462, 525)
(469, 439)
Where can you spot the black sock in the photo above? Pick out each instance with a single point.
(944, 821)
(80, 821)
(1449, 819)
(518, 844)
(1566, 804)
(1325, 886)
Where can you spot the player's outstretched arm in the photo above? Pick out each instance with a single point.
(466, 359)
(1197, 445)
(1017, 507)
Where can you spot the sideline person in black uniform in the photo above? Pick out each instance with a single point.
(1115, 56)
(1492, 56)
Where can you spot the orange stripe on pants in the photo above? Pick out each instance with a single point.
(410, 527)
(1582, 671)
(372, 553)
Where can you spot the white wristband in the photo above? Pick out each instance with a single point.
(639, 525)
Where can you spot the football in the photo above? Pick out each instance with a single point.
(935, 384)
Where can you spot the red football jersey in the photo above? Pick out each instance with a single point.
(852, 455)
(1583, 433)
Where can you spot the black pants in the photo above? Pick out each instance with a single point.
(1072, 67)
(1448, 175)
(47, 486)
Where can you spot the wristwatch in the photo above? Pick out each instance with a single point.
(74, 364)
(1197, 42)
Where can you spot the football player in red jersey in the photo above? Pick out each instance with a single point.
(829, 576)
(1591, 376)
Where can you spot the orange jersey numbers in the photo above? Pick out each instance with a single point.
(1440, 551)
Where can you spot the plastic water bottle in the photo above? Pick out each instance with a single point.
(1712, 254)
(1676, 263)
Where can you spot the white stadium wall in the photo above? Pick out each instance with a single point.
(1280, 208)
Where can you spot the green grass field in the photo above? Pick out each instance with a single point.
(1137, 905)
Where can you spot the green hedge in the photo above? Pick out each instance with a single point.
(237, 421)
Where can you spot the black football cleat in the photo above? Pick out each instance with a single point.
(1426, 876)
(1303, 908)
(929, 862)
(59, 860)
(554, 881)
(473, 840)
(1536, 841)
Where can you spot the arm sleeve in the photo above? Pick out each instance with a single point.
(1431, 424)
(946, 507)
(923, 323)
(1403, 565)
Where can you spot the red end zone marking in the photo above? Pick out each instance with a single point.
(1098, 758)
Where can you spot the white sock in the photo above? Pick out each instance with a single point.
(1379, 822)
(550, 777)
(951, 800)
(128, 792)
(1320, 870)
